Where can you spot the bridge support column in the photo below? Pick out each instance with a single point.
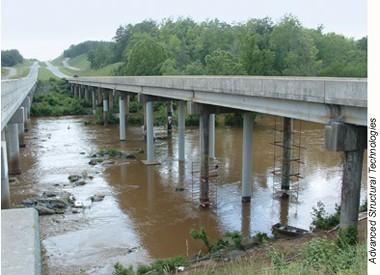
(21, 127)
(105, 108)
(93, 101)
(181, 130)
(352, 141)
(247, 157)
(13, 149)
(86, 94)
(204, 166)
(169, 117)
(149, 134)
(5, 195)
(286, 153)
(122, 116)
(212, 136)
(79, 91)
(110, 100)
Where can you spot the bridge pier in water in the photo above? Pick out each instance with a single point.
(247, 157)
(351, 140)
(212, 136)
(105, 107)
(21, 127)
(204, 121)
(181, 130)
(93, 100)
(122, 116)
(286, 153)
(5, 194)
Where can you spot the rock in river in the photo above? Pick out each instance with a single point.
(73, 178)
(97, 197)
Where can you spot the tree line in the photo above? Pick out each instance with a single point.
(213, 47)
(11, 57)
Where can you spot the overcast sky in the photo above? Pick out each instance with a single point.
(44, 28)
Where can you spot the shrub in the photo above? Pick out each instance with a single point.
(321, 220)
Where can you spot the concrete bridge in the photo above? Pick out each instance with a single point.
(16, 99)
(339, 103)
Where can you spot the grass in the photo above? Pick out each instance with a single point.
(319, 256)
(44, 74)
(4, 72)
(82, 63)
(22, 69)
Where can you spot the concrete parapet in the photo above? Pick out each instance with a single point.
(20, 242)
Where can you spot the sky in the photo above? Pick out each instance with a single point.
(42, 29)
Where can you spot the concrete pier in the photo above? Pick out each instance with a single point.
(122, 117)
(169, 117)
(181, 130)
(110, 101)
(351, 140)
(149, 134)
(21, 128)
(5, 195)
(286, 153)
(212, 136)
(204, 165)
(20, 242)
(105, 108)
(247, 157)
(93, 101)
(86, 94)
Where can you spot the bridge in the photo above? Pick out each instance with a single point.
(16, 98)
(338, 103)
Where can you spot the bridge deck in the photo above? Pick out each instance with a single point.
(307, 98)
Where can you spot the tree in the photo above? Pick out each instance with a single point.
(295, 52)
(145, 58)
(11, 57)
(221, 62)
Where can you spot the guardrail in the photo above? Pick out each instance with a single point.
(14, 92)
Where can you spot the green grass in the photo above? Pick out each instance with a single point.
(44, 74)
(4, 72)
(82, 63)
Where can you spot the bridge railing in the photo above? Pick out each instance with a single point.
(14, 92)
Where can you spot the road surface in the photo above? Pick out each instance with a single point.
(66, 64)
(55, 70)
(11, 73)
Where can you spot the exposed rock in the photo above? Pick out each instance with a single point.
(109, 162)
(78, 204)
(80, 183)
(95, 161)
(82, 153)
(129, 156)
(43, 210)
(73, 178)
(97, 197)
(75, 211)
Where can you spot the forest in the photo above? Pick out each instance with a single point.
(11, 57)
(213, 47)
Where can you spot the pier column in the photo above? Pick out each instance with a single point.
(212, 136)
(5, 195)
(352, 141)
(110, 101)
(93, 101)
(204, 165)
(181, 130)
(169, 117)
(80, 91)
(13, 149)
(122, 116)
(105, 107)
(21, 127)
(286, 153)
(247, 157)
(86, 94)
(149, 134)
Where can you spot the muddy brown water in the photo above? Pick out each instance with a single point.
(143, 217)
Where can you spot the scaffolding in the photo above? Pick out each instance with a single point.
(214, 177)
(295, 159)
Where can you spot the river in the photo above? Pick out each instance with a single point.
(143, 216)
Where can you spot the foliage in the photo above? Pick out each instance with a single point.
(234, 120)
(321, 220)
(145, 58)
(81, 48)
(109, 151)
(11, 57)
(52, 99)
(261, 237)
(255, 47)
(236, 238)
(192, 120)
(110, 117)
(163, 266)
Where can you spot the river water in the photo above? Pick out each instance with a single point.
(144, 216)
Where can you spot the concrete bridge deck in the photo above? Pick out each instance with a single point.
(316, 99)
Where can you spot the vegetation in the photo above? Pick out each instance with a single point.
(11, 57)
(321, 220)
(44, 74)
(164, 266)
(255, 47)
(53, 99)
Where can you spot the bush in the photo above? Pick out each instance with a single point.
(321, 220)
(234, 120)
(192, 120)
